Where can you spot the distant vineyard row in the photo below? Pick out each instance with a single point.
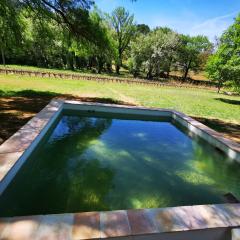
(176, 83)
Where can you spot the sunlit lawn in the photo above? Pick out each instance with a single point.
(195, 102)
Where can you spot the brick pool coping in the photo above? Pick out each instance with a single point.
(125, 223)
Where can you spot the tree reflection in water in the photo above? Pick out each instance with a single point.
(90, 164)
(56, 178)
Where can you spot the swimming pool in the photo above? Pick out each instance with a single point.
(108, 158)
(92, 160)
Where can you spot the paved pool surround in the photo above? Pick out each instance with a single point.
(188, 222)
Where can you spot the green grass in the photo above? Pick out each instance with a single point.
(194, 102)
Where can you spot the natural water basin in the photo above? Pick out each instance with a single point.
(97, 162)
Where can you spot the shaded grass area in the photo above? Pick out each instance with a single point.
(230, 101)
(229, 130)
(16, 108)
(21, 97)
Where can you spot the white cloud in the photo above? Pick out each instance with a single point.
(191, 25)
(214, 26)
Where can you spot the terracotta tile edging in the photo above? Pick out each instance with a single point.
(86, 225)
(123, 223)
(117, 224)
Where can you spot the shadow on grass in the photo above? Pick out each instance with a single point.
(229, 130)
(229, 101)
(18, 107)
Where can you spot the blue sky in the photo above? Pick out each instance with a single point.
(206, 17)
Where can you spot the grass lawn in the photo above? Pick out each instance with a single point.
(216, 110)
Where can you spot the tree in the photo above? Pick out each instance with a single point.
(96, 56)
(124, 29)
(73, 14)
(190, 51)
(143, 29)
(101, 53)
(141, 53)
(44, 42)
(215, 70)
(153, 53)
(224, 65)
(10, 28)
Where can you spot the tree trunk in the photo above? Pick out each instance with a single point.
(169, 67)
(109, 67)
(119, 61)
(149, 74)
(118, 69)
(74, 61)
(3, 57)
(100, 65)
(90, 63)
(186, 73)
(135, 74)
(70, 61)
(219, 86)
(187, 70)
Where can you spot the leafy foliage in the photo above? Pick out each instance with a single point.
(143, 29)
(10, 27)
(73, 14)
(190, 52)
(153, 53)
(224, 65)
(124, 29)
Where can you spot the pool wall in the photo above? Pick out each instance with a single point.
(231, 149)
(198, 222)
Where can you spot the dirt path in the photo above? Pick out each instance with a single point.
(123, 97)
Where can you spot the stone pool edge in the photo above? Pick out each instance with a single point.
(124, 224)
(151, 224)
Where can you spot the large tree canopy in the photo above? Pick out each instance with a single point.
(153, 53)
(10, 27)
(190, 52)
(74, 14)
(224, 65)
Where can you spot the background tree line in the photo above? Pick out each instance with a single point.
(76, 35)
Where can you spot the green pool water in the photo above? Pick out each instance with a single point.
(89, 163)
